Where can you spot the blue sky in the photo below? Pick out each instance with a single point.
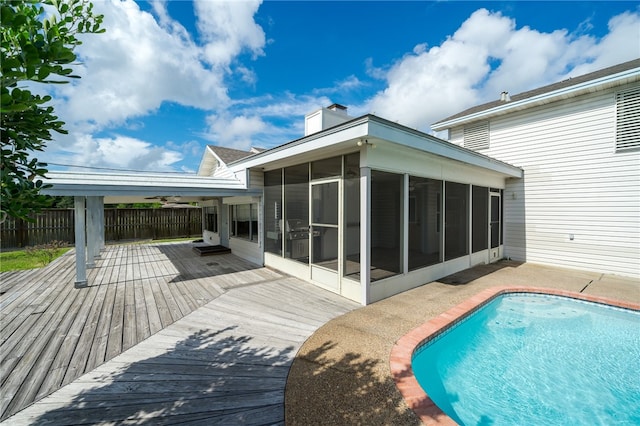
(169, 77)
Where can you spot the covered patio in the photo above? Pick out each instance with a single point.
(91, 191)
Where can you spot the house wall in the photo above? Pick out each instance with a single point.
(397, 159)
(247, 250)
(256, 179)
(390, 207)
(579, 202)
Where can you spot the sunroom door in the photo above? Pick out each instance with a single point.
(494, 227)
(325, 233)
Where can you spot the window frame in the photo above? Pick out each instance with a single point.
(233, 222)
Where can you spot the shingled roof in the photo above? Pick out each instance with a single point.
(548, 89)
(229, 155)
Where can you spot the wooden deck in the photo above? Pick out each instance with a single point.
(160, 335)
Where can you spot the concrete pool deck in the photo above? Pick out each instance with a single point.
(341, 375)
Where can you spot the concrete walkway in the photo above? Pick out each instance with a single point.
(341, 375)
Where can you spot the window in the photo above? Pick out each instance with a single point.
(331, 167)
(480, 218)
(351, 234)
(211, 218)
(476, 136)
(456, 220)
(424, 222)
(627, 119)
(296, 212)
(273, 211)
(386, 224)
(244, 221)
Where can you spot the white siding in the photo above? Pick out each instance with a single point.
(247, 250)
(256, 179)
(579, 202)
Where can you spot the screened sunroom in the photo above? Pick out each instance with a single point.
(369, 208)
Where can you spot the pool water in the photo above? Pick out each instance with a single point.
(536, 359)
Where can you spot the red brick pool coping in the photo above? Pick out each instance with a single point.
(400, 359)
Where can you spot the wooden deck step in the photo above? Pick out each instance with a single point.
(208, 250)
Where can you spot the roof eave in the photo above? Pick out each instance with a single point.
(140, 184)
(374, 126)
(623, 77)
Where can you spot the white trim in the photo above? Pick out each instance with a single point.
(142, 184)
(240, 200)
(365, 234)
(80, 242)
(341, 139)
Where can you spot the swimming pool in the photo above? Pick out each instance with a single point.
(526, 358)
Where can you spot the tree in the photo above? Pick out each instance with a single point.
(38, 41)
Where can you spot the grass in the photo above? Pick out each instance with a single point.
(39, 256)
(19, 260)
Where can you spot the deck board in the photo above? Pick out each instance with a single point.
(160, 334)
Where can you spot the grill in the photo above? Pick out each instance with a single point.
(297, 229)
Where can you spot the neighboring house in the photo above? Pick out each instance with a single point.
(578, 142)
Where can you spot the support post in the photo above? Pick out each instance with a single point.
(365, 234)
(93, 249)
(81, 254)
(404, 247)
(101, 245)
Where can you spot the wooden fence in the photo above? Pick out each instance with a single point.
(120, 225)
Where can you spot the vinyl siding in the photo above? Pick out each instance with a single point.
(256, 179)
(574, 184)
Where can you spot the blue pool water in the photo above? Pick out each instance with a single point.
(530, 359)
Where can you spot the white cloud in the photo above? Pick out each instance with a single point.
(117, 152)
(348, 84)
(143, 60)
(621, 44)
(228, 29)
(136, 65)
(264, 122)
(429, 84)
(235, 132)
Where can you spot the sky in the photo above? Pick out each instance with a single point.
(168, 78)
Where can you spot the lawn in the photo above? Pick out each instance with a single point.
(23, 259)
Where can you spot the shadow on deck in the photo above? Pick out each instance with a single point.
(52, 333)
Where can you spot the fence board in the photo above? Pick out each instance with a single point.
(120, 225)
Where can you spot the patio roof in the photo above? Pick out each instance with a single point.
(140, 187)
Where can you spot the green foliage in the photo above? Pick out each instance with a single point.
(46, 253)
(137, 205)
(37, 46)
(66, 202)
(32, 257)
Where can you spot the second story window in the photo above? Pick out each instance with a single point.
(628, 120)
(476, 136)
